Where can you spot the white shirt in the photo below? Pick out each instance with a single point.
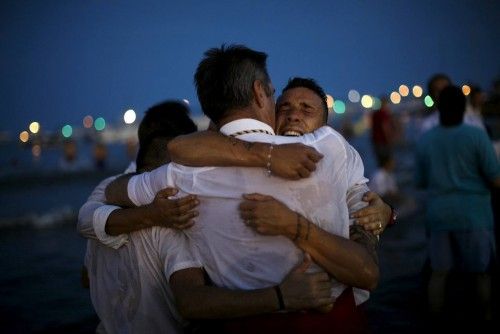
(383, 182)
(128, 283)
(234, 255)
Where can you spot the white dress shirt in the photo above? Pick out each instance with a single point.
(234, 255)
(128, 273)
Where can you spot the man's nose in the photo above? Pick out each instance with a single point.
(293, 115)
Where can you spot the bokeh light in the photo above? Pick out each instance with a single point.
(129, 116)
(36, 150)
(24, 136)
(367, 101)
(34, 127)
(417, 91)
(99, 124)
(329, 101)
(395, 97)
(376, 104)
(428, 101)
(404, 90)
(466, 89)
(67, 131)
(353, 96)
(339, 107)
(88, 121)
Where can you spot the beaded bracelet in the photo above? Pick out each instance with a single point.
(268, 165)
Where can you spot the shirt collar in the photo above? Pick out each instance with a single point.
(244, 124)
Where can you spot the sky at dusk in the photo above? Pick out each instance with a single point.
(62, 60)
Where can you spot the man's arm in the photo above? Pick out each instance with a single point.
(165, 212)
(93, 215)
(117, 192)
(135, 190)
(348, 261)
(196, 300)
(208, 148)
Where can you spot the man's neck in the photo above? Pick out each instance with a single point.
(236, 114)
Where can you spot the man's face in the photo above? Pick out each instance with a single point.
(298, 111)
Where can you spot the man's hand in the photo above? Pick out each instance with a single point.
(267, 215)
(173, 213)
(307, 291)
(294, 161)
(375, 216)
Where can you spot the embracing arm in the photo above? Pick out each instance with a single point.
(208, 148)
(135, 190)
(117, 192)
(196, 300)
(172, 213)
(93, 216)
(348, 261)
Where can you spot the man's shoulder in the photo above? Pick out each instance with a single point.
(324, 133)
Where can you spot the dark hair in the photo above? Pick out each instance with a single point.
(451, 106)
(311, 84)
(168, 119)
(432, 81)
(224, 79)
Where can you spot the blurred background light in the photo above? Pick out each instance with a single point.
(395, 97)
(417, 91)
(34, 127)
(353, 96)
(24, 136)
(367, 101)
(404, 90)
(466, 90)
(88, 121)
(67, 131)
(339, 107)
(99, 124)
(36, 150)
(428, 101)
(129, 116)
(329, 101)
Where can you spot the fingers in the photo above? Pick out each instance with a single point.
(182, 201)
(366, 211)
(304, 265)
(257, 197)
(167, 192)
(315, 156)
(185, 218)
(309, 165)
(303, 172)
(185, 206)
(247, 206)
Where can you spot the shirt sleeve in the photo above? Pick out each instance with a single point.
(142, 188)
(175, 250)
(93, 215)
(355, 167)
(354, 199)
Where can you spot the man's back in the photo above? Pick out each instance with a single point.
(233, 254)
(455, 164)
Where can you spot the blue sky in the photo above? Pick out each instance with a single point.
(61, 60)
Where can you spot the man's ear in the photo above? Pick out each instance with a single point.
(259, 91)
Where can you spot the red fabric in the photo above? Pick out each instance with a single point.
(381, 119)
(345, 317)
